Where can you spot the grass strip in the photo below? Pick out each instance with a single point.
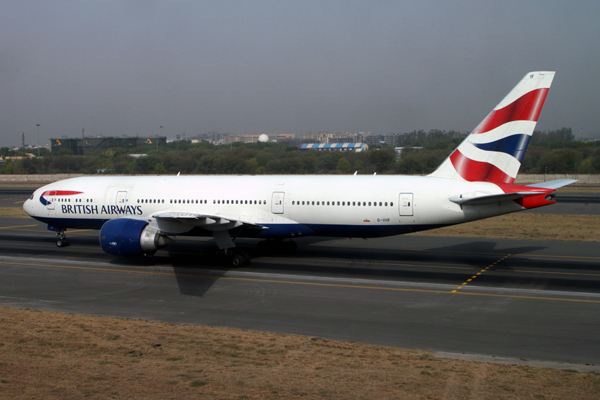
(56, 355)
(527, 226)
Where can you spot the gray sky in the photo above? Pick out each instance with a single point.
(127, 67)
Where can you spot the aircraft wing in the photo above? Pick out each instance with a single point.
(209, 222)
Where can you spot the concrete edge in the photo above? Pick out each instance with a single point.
(518, 361)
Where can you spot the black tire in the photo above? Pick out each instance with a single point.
(238, 260)
(61, 242)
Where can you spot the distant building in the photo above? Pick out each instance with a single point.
(284, 137)
(392, 139)
(82, 146)
(373, 140)
(357, 147)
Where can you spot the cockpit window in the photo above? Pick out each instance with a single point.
(31, 198)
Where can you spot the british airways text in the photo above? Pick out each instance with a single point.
(106, 210)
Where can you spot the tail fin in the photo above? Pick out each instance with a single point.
(494, 150)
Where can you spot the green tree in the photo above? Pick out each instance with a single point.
(343, 166)
(382, 160)
(559, 161)
(8, 168)
(159, 169)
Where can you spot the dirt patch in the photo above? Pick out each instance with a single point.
(527, 226)
(55, 355)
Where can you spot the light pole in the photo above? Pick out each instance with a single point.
(38, 128)
(157, 138)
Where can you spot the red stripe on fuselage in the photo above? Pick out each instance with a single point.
(525, 108)
(60, 192)
(477, 171)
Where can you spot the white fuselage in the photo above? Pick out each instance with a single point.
(286, 205)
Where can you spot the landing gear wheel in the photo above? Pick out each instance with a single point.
(238, 260)
(61, 240)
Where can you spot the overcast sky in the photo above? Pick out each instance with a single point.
(127, 67)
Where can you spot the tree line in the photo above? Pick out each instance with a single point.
(549, 152)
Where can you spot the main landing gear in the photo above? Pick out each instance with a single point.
(237, 258)
(61, 240)
(233, 256)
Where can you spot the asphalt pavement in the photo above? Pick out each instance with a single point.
(527, 299)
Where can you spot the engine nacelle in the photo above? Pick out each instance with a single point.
(131, 237)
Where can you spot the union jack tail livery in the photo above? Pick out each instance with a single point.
(494, 150)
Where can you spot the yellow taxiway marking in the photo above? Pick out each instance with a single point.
(302, 283)
(479, 273)
(15, 227)
(19, 202)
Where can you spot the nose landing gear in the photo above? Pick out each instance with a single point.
(61, 240)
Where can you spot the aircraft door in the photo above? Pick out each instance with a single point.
(51, 198)
(277, 202)
(121, 198)
(405, 204)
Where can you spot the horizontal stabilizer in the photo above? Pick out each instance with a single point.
(490, 199)
(554, 184)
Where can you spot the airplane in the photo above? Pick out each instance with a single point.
(137, 215)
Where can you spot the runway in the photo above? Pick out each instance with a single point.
(537, 300)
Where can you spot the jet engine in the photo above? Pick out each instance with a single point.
(131, 237)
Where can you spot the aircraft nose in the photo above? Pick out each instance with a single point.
(28, 206)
